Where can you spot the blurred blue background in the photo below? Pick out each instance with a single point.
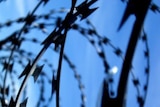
(83, 55)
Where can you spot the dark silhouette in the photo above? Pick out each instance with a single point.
(56, 42)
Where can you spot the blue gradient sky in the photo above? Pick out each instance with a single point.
(83, 54)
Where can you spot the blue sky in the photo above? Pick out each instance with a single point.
(83, 55)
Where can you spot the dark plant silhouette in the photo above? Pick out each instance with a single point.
(33, 64)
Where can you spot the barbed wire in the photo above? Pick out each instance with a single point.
(97, 44)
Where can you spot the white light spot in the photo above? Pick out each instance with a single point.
(113, 70)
